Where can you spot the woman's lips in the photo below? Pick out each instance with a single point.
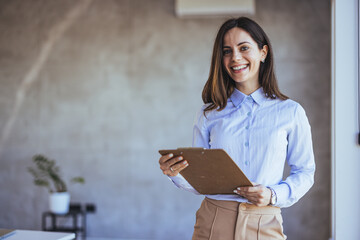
(239, 68)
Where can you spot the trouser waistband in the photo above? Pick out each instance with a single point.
(244, 207)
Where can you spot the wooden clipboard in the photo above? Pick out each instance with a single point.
(210, 171)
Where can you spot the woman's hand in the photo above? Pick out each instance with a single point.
(171, 165)
(258, 195)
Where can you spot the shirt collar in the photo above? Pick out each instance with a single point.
(259, 96)
(237, 97)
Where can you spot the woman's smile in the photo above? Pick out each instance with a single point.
(239, 68)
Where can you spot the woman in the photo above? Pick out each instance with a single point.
(246, 115)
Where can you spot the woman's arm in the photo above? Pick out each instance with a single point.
(300, 157)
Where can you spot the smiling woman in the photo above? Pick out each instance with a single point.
(240, 43)
(260, 128)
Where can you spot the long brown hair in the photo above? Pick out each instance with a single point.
(219, 85)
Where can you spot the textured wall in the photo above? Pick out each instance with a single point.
(101, 85)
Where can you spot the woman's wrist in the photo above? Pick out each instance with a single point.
(273, 197)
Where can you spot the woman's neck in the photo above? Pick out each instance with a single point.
(247, 88)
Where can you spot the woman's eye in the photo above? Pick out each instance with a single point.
(226, 52)
(244, 48)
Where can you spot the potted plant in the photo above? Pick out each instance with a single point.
(47, 174)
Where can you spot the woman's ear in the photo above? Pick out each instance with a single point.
(264, 52)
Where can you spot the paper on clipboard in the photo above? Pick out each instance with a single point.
(210, 171)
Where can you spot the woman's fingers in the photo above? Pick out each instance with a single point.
(259, 195)
(173, 161)
(176, 168)
(258, 202)
(251, 191)
(167, 161)
(166, 157)
(171, 165)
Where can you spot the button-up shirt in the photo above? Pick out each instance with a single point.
(260, 134)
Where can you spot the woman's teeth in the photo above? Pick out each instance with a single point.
(239, 67)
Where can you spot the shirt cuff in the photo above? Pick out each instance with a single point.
(181, 182)
(282, 191)
(178, 180)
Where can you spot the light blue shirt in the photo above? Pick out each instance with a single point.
(259, 134)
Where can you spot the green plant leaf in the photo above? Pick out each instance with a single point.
(46, 172)
(78, 180)
(41, 182)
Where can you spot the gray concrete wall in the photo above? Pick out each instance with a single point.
(101, 85)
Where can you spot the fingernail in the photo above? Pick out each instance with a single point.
(185, 162)
(171, 155)
(180, 158)
(238, 188)
(235, 191)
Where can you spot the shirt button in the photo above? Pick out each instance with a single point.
(249, 113)
(246, 144)
(242, 207)
(247, 163)
(249, 97)
(247, 127)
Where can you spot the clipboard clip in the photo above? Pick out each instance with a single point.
(191, 149)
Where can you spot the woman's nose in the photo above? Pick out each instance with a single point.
(237, 55)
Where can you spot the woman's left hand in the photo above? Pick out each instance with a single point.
(258, 195)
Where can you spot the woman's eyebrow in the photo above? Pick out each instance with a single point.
(238, 44)
(243, 43)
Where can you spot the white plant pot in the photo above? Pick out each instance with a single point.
(59, 202)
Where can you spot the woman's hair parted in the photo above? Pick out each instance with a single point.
(219, 85)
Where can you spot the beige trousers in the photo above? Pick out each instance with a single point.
(229, 220)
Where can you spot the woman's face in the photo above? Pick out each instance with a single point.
(241, 57)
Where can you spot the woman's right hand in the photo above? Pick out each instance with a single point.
(171, 165)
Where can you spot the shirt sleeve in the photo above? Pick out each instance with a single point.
(200, 139)
(300, 158)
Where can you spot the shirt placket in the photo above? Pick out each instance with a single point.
(249, 105)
